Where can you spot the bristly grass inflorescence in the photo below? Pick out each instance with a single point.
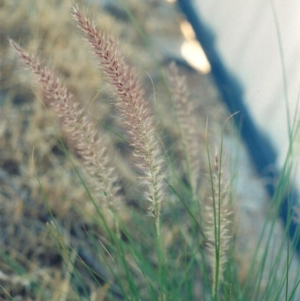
(82, 131)
(187, 122)
(219, 215)
(132, 106)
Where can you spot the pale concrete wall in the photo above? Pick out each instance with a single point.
(247, 41)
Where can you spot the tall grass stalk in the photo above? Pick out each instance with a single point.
(219, 217)
(137, 118)
(132, 106)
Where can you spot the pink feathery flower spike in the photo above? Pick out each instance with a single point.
(81, 129)
(131, 103)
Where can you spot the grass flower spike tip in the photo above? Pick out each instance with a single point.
(80, 128)
(219, 215)
(131, 104)
(188, 124)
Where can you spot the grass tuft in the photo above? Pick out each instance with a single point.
(157, 215)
